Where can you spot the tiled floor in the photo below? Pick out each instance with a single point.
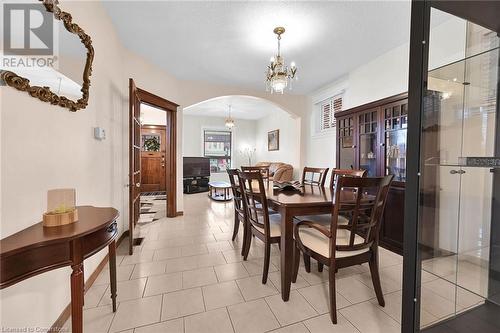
(153, 207)
(188, 276)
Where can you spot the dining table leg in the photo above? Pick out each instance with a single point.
(286, 252)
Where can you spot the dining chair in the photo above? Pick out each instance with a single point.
(263, 170)
(345, 172)
(339, 246)
(314, 176)
(325, 219)
(261, 224)
(239, 210)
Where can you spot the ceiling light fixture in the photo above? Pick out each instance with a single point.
(229, 122)
(278, 75)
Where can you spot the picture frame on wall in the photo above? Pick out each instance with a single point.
(273, 140)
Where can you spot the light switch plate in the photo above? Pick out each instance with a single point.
(99, 133)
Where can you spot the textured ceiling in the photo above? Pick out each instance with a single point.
(231, 42)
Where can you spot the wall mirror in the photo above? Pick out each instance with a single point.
(46, 54)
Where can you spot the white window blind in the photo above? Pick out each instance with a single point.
(327, 110)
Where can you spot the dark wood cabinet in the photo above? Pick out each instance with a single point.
(373, 137)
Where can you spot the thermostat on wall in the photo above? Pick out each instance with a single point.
(99, 133)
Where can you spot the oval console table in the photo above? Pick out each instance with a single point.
(39, 249)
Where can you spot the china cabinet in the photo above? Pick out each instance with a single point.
(373, 137)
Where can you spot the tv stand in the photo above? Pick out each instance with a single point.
(196, 184)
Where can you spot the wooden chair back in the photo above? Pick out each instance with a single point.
(263, 170)
(314, 176)
(237, 197)
(254, 199)
(365, 205)
(336, 173)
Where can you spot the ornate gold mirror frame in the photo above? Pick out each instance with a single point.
(44, 93)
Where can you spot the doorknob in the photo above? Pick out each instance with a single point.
(137, 184)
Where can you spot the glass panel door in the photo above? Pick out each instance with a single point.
(456, 185)
(395, 120)
(347, 146)
(368, 143)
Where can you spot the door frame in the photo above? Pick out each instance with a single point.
(170, 109)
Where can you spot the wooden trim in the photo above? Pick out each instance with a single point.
(154, 100)
(44, 93)
(171, 178)
(372, 105)
(153, 127)
(180, 213)
(66, 313)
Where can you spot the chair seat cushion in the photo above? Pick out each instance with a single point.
(274, 225)
(319, 243)
(323, 219)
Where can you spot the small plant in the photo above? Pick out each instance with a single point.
(152, 144)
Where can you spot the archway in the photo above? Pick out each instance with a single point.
(254, 118)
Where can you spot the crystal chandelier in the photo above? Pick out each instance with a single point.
(229, 122)
(278, 75)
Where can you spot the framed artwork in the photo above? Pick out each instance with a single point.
(273, 140)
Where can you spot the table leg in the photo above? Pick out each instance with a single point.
(77, 298)
(286, 252)
(112, 272)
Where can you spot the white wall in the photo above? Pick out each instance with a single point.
(289, 139)
(243, 135)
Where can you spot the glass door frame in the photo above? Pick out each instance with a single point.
(484, 13)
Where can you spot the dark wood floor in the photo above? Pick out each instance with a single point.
(484, 319)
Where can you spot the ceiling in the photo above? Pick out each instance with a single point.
(242, 107)
(231, 42)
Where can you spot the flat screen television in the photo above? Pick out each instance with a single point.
(196, 167)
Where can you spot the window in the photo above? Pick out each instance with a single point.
(327, 110)
(217, 147)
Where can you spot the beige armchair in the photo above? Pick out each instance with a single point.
(278, 171)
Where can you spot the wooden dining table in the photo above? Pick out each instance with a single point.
(311, 200)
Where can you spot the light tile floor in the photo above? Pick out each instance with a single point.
(188, 276)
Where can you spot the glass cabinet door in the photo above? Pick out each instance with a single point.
(368, 143)
(346, 140)
(395, 120)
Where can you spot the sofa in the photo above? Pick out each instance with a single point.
(278, 171)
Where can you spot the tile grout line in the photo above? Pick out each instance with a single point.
(270, 309)
(230, 319)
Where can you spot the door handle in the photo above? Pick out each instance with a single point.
(137, 184)
(460, 172)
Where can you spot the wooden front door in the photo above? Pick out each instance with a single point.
(153, 158)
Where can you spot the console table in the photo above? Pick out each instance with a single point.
(39, 249)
